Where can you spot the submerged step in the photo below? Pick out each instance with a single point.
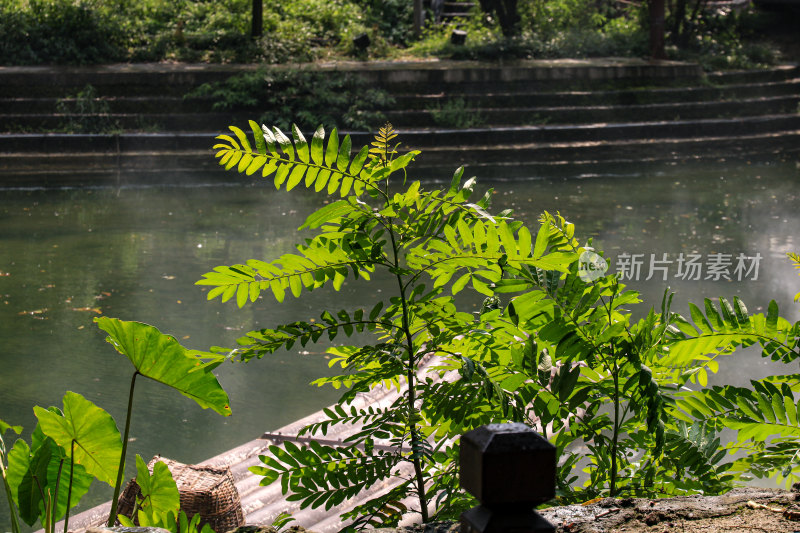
(76, 168)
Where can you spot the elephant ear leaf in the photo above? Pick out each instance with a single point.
(32, 471)
(23, 467)
(81, 481)
(97, 442)
(161, 358)
(5, 427)
(160, 494)
(23, 471)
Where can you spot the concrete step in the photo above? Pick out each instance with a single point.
(577, 115)
(112, 80)
(78, 156)
(428, 139)
(494, 117)
(605, 113)
(653, 95)
(567, 75)
(652, 132)
(176, 80)
(154, 104)
(418, 77)
(777, 73)
(157, 103)
(172, 122)
(553, 160)
(667, 149)
(514, 104)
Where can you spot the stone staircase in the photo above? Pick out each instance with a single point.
(535, 118)
(454, 10)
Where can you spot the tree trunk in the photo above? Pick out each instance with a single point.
(657, 29)
(679, 22)
(419, 18)
(507, 12)
(258, 18)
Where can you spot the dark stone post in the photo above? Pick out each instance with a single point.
(510, 469)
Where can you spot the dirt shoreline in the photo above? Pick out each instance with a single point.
(729, 513)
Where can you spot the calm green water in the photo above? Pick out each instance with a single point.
(67, 256)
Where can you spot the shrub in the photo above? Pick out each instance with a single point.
(56, 32)
(554, 345)
(454, 113)
(86, 113)
(329, 97)
(393, 19)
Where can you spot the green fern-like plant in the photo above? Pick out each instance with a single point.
(595, 379)
(434, 243)
(624, 399)
(795, 259)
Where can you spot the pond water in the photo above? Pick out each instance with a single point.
(68, 255)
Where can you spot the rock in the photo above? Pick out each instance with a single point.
(638, 514)
(252, 529)
(652, 519)
(268, 529)
(122, 529)
(431, 527)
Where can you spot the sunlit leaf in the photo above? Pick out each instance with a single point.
(98, 443)
(161, 358)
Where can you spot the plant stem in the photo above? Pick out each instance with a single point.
(412, 400)
(12, 508)
(412, 394)
(46, 500)
(69, 487)
(48, 512)
(112, 516)
(54, 511)
(615, 435)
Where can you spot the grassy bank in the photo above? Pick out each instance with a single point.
(36, 32)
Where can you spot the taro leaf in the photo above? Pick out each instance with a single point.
(81, 480)
(23, 471)
(5, 427)
(43, 463)
(159, 492)
(38, 437)
(161, 358)
(10, 492)
(98, 444)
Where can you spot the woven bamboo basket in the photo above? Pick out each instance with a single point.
(206, 490)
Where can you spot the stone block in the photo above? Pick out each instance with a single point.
(506, 464)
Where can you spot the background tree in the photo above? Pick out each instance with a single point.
(419, 17)
(507, 13)
(258, 18)
(657, 27)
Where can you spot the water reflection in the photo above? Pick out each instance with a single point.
(69, 255)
